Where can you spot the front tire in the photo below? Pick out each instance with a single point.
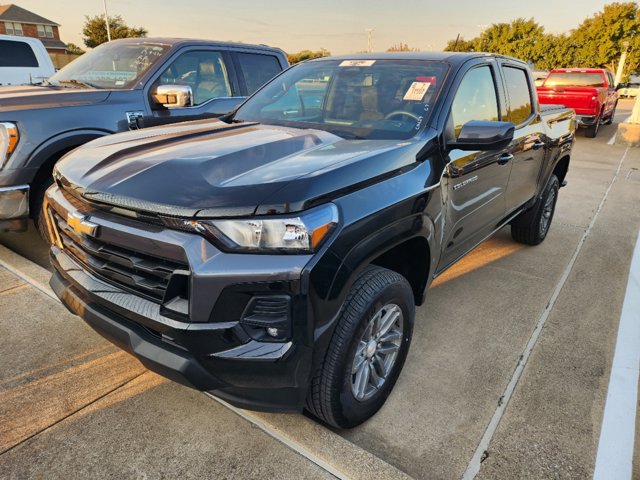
(367, 350)
(38, 216)
(531, 227)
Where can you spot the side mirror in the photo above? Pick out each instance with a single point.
(173, 96)
(484, 135)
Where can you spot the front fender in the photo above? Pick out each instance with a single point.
(376, 220)
(63, 142)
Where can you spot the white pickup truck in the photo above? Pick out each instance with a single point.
(23, 61)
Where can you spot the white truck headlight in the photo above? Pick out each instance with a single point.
(302, 233)
(8, 140)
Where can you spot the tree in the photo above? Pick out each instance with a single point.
(597, 42)
(402, 47)
(73, 49)
(521, 38)
(94, 30)
(306, 55)
(460, 45)
(599, 39)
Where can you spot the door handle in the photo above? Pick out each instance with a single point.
(504, 158)
(538, 145)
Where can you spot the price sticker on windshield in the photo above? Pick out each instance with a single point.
(417, 91)
(357, 63)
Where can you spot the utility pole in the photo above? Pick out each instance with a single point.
(369, 35)
(623, 59)
(106, 20)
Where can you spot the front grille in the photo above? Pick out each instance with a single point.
(134, 271)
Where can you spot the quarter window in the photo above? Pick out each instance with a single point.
(475, 99)
(13, 28)
(257, 69)
(204, 71)
(520, 108)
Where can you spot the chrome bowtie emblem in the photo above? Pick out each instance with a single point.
(78, 224)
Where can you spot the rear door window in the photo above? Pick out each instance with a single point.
(257, 69)
(16, 54)
(520, 105)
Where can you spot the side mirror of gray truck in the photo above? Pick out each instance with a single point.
(484, 135)
(173, 96)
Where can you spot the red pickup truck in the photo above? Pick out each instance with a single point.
(589, 91)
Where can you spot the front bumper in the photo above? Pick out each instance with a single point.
(14, 208)
(210, 349)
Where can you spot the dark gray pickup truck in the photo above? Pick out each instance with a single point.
(275, 256)
(122, 85)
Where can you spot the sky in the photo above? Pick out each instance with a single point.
(336, 25)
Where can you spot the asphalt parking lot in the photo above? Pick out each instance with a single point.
(507, 375)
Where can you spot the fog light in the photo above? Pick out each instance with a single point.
(273, 332)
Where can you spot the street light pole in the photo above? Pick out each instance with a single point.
(106, 20)
(623, 59)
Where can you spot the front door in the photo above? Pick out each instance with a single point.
(207, 73)
(474, 183)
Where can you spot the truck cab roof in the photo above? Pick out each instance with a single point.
(453, 58)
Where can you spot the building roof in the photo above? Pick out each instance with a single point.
(53, 43)
(14, 13)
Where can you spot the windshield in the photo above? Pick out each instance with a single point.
(574, 80)
(111, 65)
(373, 99)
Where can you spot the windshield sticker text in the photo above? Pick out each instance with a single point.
(357, 63)
(416, 91)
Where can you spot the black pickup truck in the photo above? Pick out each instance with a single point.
(119, 86)
(275, 256)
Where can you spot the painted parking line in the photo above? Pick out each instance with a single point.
(473, 468)
(615, 449)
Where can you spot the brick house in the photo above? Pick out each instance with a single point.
(15, 20)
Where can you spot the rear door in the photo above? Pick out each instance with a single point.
(528, 141)
(474, 183)
(612, 95)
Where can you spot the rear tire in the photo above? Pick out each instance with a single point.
(363, 360)
(531, 227)
(592, 131)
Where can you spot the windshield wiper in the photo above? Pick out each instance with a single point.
(73, 81)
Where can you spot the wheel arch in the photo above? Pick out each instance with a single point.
(561, 168)
(49, 152)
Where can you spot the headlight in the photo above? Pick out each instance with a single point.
(303, 233)
(8, 141)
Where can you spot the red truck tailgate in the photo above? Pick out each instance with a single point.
(581, 99)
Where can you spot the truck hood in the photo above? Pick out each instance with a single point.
(31, 97)
(213, 169)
